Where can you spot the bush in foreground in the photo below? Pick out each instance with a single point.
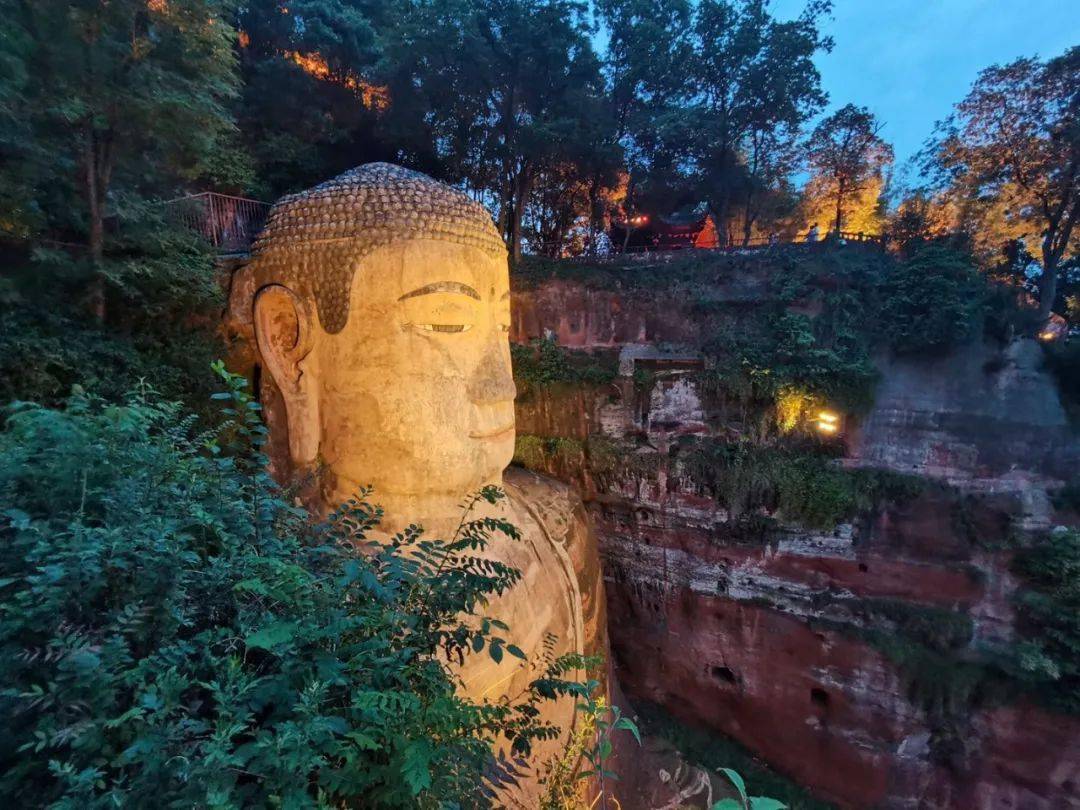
(174, 633)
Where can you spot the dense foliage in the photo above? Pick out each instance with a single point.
(108, 100)
(931, 301)
(164, 304)
(543, 363)
(1050, 610)
(797, 483)
(174, 633)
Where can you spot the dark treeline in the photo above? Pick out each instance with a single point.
(562, 116)
(558, 114)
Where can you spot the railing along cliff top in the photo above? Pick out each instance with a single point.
(616, 252)
(228, 223)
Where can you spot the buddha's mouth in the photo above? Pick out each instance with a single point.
(496, 433)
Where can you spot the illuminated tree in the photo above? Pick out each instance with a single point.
(1014, 144)
(847, 153)
(862, 210)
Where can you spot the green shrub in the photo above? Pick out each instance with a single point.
(44, 353)
(783, 352)
(931, 302)
(709, 749)
(1049, 610)
(174, 633)
(544, 363)
(935, 628)
(800, 485)
(1068, 497)
(163, 307)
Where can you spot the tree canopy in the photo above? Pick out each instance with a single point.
(847, 153)
(1010, 155)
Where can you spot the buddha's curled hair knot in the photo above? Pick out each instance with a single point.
(314, 240)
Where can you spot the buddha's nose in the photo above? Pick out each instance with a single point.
(493, 380)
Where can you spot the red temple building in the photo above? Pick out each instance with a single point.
(695, 229)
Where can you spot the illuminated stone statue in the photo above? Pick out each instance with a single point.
(379, 305)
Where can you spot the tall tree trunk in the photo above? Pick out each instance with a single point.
(506, 204)
(839, 206)
(522, 189)
(594, 214)
(1048, 280)
(720, 211)
(748, 221)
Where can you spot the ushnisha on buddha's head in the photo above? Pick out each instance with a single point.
(380, 306)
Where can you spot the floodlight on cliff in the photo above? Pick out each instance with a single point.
(828, 422)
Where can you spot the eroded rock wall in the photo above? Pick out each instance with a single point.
(786, 640)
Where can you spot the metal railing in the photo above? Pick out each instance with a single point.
(228, 223)
(615, 252)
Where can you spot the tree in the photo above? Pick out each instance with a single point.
(129, 96)
(508, 86)
(320, 94)
(1014, 142)
(770, 160)
(750, 77)
(846, 151)
(645, 78)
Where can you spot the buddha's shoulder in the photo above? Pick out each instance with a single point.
(557, 506)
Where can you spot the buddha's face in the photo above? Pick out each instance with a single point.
(415, 395)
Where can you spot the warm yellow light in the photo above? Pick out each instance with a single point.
(828, 416)
(1047, 335)
(374, 97)
(828, 427)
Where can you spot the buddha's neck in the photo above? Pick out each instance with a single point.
(440, 514)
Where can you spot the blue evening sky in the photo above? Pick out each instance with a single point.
(909, 61)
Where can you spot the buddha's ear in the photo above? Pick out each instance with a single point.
(285, 332)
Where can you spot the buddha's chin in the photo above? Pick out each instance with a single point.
(498, 453)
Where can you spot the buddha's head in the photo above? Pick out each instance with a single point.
(380, 307)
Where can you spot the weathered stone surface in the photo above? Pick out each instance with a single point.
(977, 413)
(764, 640)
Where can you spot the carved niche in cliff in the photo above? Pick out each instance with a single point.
(377, 306)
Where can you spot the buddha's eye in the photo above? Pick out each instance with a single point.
(445, 327)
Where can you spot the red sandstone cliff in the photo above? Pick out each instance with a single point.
(777, 641)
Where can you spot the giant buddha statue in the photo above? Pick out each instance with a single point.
(377, 307)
